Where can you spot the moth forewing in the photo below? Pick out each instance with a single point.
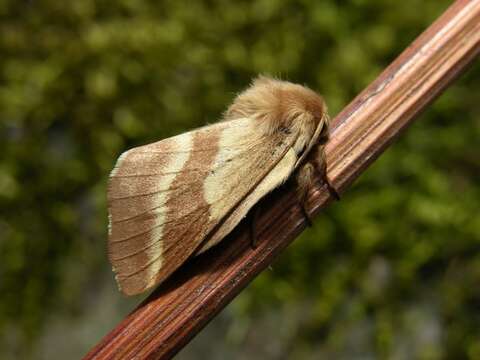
(180, 196)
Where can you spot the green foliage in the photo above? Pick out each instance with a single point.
(82, 81)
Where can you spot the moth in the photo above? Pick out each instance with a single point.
(180, 196)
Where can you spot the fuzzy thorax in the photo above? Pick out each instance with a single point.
(279, 105)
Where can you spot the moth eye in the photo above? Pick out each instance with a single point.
(323, 139)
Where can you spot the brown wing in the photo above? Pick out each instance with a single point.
(166, 198)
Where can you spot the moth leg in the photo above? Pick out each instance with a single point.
(253, 226)
(321, 168)
(304, 179)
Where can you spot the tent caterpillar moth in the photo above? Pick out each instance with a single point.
(179, 196)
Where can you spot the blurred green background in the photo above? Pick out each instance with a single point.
(391, 271)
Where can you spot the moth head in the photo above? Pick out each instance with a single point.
(279, 105)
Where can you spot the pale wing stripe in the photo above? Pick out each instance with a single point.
(211, 190)
(178, 162)
(154, 268)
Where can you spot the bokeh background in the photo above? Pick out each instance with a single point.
(391, 271)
